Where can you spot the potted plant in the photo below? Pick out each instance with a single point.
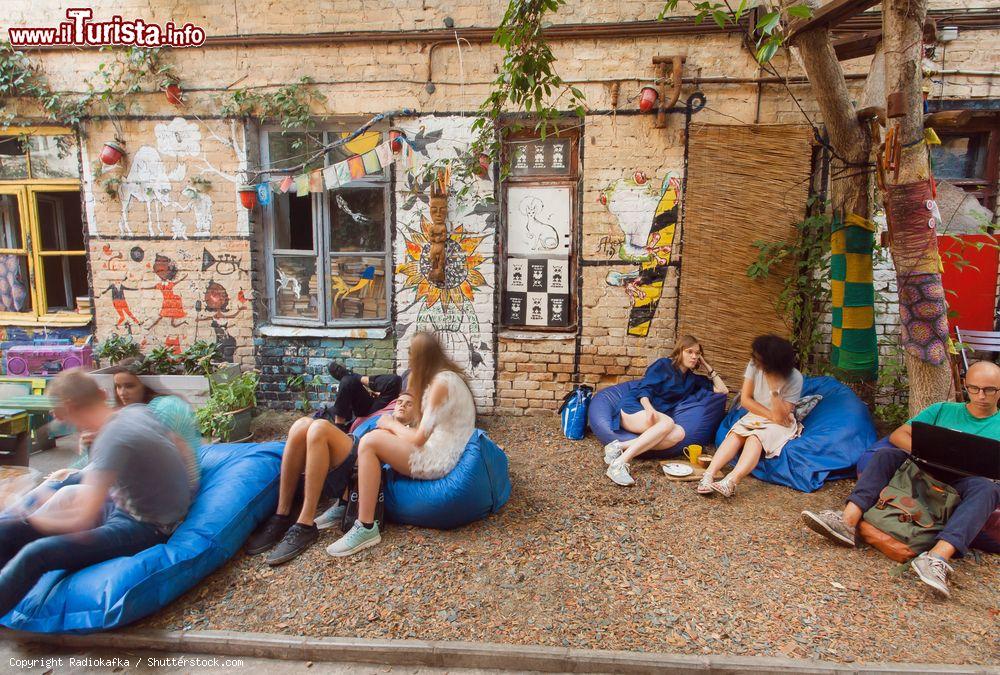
(171, 86)
(118, 347)
(225, 417)
(189, 374)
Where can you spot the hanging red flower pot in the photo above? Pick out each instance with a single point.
(112, 153)
(648, 98)
(396, 137)
(248, 196)
(482, 167)
(173, 93)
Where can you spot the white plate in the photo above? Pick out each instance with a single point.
(678, 470)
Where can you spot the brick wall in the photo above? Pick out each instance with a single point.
(280, 358)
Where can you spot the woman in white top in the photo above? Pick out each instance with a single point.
(447, 414)
(771, 388)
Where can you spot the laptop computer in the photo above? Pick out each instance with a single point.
(952, 454)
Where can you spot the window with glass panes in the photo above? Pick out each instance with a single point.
(43, 263)
(328, 251)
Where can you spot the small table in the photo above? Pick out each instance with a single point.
(14, 435)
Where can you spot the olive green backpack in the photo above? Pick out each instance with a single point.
(911, 510)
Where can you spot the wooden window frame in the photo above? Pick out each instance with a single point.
(984, 190)
(25, 190)
(569, 180)
(321, 224)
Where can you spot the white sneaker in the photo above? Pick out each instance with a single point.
(612, 451)
(618, 472)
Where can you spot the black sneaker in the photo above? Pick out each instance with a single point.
(297, 539)
(268, 534)
(338, 371)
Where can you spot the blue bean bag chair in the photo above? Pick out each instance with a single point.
(699, 415)
(239, 489)
(835, 435)
(478, 486)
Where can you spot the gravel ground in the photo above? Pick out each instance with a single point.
(574, 560)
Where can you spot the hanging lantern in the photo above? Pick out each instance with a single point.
(648, 98)
(248, 196)
(396, 137)
(112, 153)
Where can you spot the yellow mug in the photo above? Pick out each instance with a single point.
(693, 452)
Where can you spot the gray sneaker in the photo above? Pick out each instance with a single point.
(332, 516)
(933, 571)
(612, 451)
(618, 472)
(831, 525)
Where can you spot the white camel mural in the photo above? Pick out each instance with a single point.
(148, 183)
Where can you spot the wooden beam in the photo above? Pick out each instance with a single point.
(857, 45)
(830, 15)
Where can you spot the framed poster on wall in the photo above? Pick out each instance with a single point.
(538, 220)
(537, 293)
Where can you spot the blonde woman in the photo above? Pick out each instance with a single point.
(647, 410)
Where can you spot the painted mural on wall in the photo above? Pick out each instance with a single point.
(647, 219)
(163, 192)
(458, 306)
(166, 266)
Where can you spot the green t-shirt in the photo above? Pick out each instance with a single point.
(956, 416)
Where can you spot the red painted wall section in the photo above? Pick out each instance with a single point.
(970, 287)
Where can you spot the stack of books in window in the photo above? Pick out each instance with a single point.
(83, 305)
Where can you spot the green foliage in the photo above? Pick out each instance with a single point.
(118, 347)
(201, 357)
(300, 384)
(113, 85)
(807, 259)
(214, 418)
(289, 106)
(526, 79)
(20, 78)
(162, 361)
(767, 33)
(893, 386)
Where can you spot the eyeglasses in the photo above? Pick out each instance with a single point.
(989, 391)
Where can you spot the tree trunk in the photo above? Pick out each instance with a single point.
(850, 141)
(929, 374)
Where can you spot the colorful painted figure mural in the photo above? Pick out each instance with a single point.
(120, 303)
(648, 220)
(172, 307)
(345, 291)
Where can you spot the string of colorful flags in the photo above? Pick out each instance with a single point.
(341, 173)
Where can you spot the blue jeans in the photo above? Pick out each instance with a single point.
(26, 554)
(980, 497)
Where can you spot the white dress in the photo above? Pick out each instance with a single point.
(450, 427)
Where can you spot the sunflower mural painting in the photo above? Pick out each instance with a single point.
(445, 306)
(648, 220)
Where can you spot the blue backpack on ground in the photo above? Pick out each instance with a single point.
(574, 411)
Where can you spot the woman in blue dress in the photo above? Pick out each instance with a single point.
(648, 408)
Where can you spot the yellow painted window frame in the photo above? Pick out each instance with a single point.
(27, 206)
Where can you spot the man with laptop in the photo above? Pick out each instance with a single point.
(969, 462)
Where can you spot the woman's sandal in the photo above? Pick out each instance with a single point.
(724, 488)
(704, 486)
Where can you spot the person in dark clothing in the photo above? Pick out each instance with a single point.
(980, 496)
(358, 395)
(134, 460)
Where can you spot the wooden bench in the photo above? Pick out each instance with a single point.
(15, 430)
